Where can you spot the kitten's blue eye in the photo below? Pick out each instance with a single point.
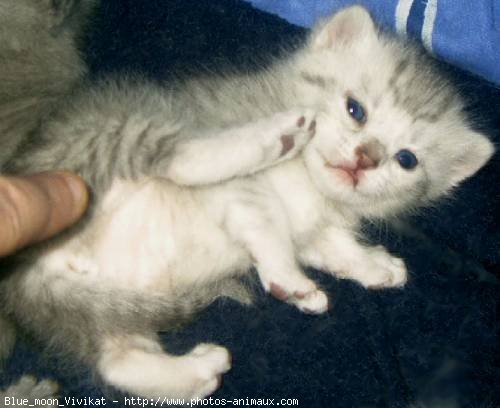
(356, 110)
(406, 159)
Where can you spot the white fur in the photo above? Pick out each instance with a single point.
(141, 367)
(238, 150)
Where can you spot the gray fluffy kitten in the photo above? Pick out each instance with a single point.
(196, 183)
(39, 62)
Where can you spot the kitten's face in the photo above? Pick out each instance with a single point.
(390, 133)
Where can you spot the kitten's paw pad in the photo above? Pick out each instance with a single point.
(279, 292)
(294, 129)
(287, 142)
(294, 138)
(209, 362)
(287, 287)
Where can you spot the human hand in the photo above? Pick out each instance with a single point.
(38, 206)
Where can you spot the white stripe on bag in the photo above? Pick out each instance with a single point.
(402, 13)
(429, 19)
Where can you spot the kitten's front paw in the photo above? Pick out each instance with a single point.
(308, 299)
(384, 271)
(29, 387)
(295, 129)
(209, 362)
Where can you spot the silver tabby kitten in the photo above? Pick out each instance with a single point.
(196, 183)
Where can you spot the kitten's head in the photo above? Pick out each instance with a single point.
(391, 132)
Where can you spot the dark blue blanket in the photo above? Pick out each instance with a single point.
(432, 343)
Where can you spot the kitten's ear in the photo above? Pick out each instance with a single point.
(473, 155)
(345, 28)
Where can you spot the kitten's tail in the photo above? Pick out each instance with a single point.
(7, 338)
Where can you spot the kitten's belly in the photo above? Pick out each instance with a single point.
(153, 236)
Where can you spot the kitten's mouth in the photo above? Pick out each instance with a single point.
(349, 173)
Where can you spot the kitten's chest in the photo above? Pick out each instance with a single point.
(305, 207)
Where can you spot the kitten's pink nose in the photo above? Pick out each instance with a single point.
(369, 155)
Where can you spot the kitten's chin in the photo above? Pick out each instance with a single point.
(338, 183)
(348, 188)
(341, 178)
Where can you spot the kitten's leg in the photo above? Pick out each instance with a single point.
(240, 150)
(337, 251)
(271, 248)
(28, 387)
(139, 366)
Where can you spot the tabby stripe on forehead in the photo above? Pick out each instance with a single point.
(317, 80)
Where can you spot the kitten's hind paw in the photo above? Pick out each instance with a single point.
(209, 363)
(394, 276)
(313, 301)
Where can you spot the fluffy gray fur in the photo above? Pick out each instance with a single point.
(39, 62)
(196, 182)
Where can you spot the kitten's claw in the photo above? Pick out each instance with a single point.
(210, 362)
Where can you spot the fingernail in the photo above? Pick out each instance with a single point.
(78, 189)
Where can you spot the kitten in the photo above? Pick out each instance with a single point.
(39, 62)
(197, 182)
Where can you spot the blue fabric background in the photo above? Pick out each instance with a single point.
(433, 343)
